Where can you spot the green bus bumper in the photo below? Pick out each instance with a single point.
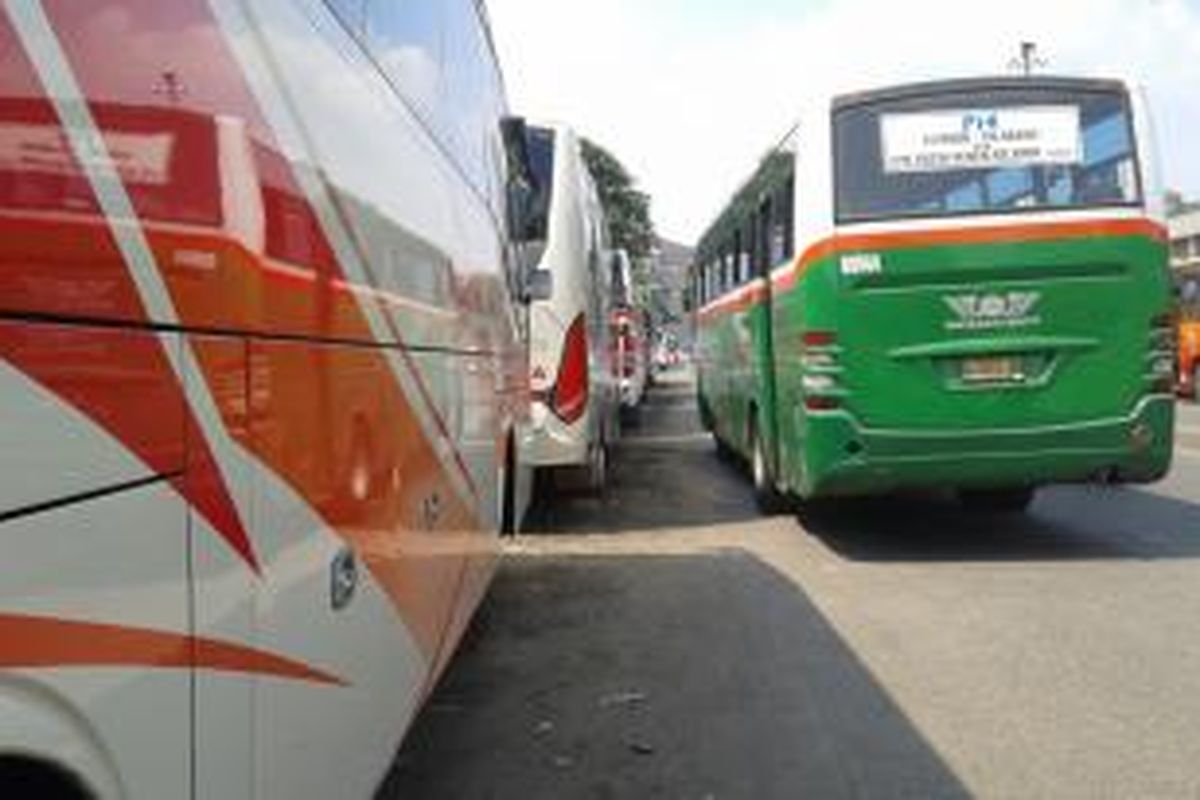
(843, 458)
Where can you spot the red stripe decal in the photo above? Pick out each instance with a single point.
(28, 642)
(238, 247)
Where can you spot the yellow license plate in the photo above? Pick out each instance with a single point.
(992, 369)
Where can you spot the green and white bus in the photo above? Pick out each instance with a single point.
(959, 285)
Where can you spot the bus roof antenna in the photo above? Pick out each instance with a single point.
(1028, 60)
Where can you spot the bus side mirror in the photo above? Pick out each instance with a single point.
(539, 285)
(522, 182)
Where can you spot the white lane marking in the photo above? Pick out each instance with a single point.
(1188, 453)
(1191, 430)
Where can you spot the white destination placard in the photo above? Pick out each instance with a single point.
(139, 158)
(980, 138)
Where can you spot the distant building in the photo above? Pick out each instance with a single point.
(1184, 231)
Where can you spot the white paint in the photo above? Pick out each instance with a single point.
(118, 560)
(583, 270)
(48, 450)
(980, 138)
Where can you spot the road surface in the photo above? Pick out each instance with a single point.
(669, 642)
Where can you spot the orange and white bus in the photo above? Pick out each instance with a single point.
(263, 380)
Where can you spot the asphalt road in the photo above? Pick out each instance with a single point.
(668, 642)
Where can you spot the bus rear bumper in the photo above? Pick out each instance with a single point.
(554, 443)
(846, 459)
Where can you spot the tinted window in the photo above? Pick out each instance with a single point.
(406, 39)
(473, 93)
(540, 144)
(437, 55)
(350, 12)
(1101, 170)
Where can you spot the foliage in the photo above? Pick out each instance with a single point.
(627, 209)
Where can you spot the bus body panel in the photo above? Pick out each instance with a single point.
(94, 661)
(263, 313)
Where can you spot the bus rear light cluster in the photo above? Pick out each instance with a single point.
(820, 360)
(818, 403)
(818, 384)
(1161, 355)
(569, 398)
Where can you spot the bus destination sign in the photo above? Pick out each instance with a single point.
(1000, 138)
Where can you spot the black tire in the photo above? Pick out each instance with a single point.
(725, 453)
(706, 417)
(21, 777)
(631, 416)
(1196, 383)
(998, 501)
(508, 496)
(766, 496)
(597, 469)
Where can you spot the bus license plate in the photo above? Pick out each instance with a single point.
(992, 369)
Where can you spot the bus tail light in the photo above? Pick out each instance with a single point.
(820, 359)
(819, 339)
(1162, 355)
(570, 394)
(819, 403)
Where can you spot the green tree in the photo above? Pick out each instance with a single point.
(627, 208)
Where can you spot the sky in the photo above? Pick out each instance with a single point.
(689, 94)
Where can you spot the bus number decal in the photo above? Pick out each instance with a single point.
(856, 264)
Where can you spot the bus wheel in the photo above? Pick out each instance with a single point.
(766, 496)
(597, 470)
(725, 453)
(997, 501)
(506, 485)
(1196, 383)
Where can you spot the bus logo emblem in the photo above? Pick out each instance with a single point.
(980, 312)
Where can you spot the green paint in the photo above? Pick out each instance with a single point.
(908, 418)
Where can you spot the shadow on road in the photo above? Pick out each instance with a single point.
(1064, 524)
(710, 675)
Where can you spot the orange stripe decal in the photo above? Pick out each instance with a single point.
(43, 642)
(948, 237)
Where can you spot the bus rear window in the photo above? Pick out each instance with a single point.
(984, 152)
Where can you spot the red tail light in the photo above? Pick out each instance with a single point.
(571, 388)
(819, 338)
(820, 403)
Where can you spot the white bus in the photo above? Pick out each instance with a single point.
(571, 374)
(631, 345)
(262, 385)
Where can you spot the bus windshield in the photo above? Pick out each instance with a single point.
(984, 151)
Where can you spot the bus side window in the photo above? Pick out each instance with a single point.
(351, 14)
(406, 40)
(763, 251)
(749, 239)
(783, 235)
